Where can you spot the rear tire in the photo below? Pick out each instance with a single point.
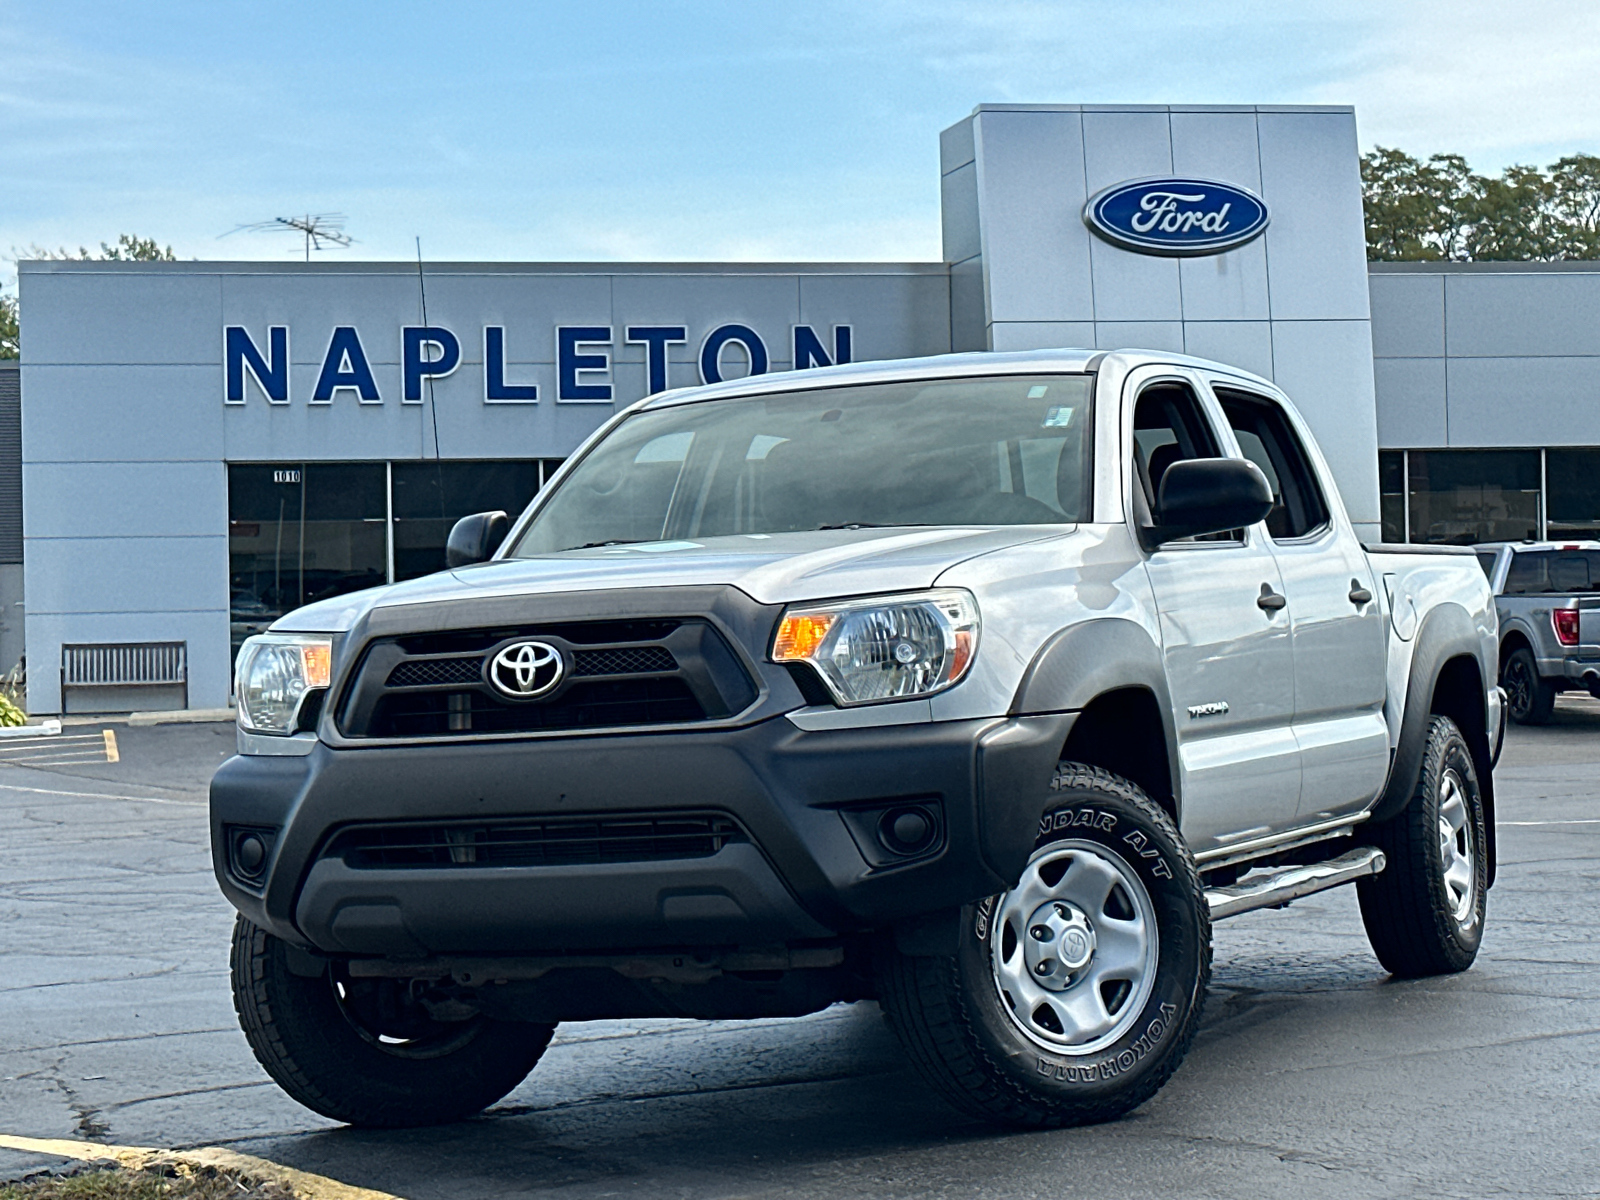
(1073, 997)
(1424, 912)
(1530, 700)
(357, 1051)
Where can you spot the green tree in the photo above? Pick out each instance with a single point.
(1512, 218)
(129, 248)
(10, 334)
(1575, 183)
(1413, 209)
(1442, 209)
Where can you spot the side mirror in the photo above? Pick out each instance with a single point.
(1208, 495)
(473, 539)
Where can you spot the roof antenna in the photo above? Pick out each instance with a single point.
(313, 228)
(433, 409)
(422, 294)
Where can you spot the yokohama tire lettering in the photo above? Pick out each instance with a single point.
(1121, 1063)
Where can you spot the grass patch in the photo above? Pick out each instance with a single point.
(160, 1183)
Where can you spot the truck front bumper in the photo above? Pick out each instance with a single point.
(804, 869)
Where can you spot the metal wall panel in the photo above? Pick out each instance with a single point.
(1504, 314)
(1317, 242)
(1411, 402)
(1031, 189)
(124, 500)
(1407, 315)
(1246, 344)
(1524, 401)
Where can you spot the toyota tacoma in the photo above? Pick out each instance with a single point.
(979, 686)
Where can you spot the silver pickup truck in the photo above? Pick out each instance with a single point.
(1547, 595)
(979, 686)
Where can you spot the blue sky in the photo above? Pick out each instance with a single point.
(655, 131)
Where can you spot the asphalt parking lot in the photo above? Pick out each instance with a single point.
(1314, 1075)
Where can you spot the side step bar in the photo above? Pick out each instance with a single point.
(1276, 889)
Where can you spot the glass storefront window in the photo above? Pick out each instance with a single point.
(1572, 494)
(430, 497)
(1465, 496)
(301, 532)
(1392, 494)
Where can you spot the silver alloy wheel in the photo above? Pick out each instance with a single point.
(1457, 861)
(1074, 948)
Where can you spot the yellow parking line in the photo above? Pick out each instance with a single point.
(302, 1184)
(111, 746)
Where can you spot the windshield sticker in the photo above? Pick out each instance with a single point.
(1058, 417)
(1037, 391)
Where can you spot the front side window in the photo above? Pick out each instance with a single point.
(1168, 427)
(1001, 450)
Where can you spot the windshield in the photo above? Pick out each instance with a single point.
(1000, 450)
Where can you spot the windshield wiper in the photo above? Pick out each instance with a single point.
(612, 542)
(877, 525)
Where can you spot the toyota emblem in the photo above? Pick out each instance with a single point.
(525, 670)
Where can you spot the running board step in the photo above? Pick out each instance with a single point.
(1278, 888)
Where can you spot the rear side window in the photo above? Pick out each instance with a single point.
(1268, 440)
(1486, 561)
(1540, 572)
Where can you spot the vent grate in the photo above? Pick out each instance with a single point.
(625, 660)
(125, 665)
(530, 843)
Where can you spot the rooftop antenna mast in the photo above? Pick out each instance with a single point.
(317, 230)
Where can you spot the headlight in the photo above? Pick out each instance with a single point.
(274, 673)
(885, 648)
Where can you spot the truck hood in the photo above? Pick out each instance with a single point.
(770, 568)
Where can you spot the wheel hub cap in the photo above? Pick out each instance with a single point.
(1457, 861)
(1074, 947)
(1059, 944)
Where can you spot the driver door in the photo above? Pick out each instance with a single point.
(1225, 635)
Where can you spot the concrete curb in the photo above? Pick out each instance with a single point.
(47, 728)
(180, 716)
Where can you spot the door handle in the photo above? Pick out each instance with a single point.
(1269, 600)
(1358, 594)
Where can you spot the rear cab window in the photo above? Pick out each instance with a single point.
(1552, 572)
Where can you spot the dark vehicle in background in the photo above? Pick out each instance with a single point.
(1548, 598)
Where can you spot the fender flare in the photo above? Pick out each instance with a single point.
(1446, 633)
(1086, 660)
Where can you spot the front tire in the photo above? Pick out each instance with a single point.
(1424, 912)
(1073, 997)
(367, 1052)
(1530, 700)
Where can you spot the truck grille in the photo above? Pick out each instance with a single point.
(617, 674)
(626, 660)
(532, 843)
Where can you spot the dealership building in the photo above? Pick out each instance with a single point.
(205, 445)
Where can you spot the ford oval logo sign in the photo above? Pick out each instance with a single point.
(1176, 217)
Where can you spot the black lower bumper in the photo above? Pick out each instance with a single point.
(803, 874)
